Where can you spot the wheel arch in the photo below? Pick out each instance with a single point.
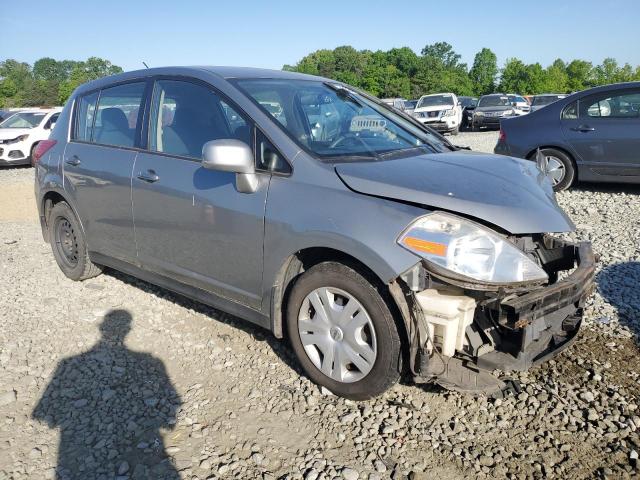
(297, 263)
(49, 199)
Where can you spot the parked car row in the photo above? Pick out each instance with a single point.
(21, 132)
(448, 113)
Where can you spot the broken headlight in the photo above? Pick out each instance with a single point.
(468, 249)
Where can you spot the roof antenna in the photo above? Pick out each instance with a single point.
(145, 64)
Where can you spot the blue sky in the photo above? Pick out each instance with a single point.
(272, 33)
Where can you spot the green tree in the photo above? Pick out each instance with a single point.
(514, 76)
(607, 72)
(484, 72)
(579, 75)
(557, 79)
(83, 72)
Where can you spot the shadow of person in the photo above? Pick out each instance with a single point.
(109, 404)
(618, 284)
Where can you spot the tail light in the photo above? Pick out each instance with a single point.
(43, 147)
(502, 137)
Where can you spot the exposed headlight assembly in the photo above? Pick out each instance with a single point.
(469, 250)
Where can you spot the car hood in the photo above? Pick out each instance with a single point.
(11, 133)
(504, 191)
(434, 108)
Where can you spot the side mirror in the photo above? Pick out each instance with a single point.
(230, 155)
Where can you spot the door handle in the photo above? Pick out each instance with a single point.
(583, 129)
(73, 161)
(149, 176)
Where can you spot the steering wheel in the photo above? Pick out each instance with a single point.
(347, 136)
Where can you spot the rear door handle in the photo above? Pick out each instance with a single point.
(73, 161)
(149, 176)
(583, 128)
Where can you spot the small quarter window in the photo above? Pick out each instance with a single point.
(268, 157)
(570, 112)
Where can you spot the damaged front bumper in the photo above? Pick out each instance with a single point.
(509, 330)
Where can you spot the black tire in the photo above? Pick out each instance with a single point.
(387, 365)
(475, 128)
(69, 245)
(569, 167)
(455, 131)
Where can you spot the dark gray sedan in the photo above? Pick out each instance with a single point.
(591, 136)
(315, 211)
(491, 110)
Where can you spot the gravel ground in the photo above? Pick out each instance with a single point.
(115, 378)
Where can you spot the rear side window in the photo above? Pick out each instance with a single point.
(605, 105)
(186, 115)
(118, 115)
(84, 117)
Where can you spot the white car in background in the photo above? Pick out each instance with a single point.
(21, 132)
(520, 104)
(440, 111)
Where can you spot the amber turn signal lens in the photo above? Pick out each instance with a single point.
(434, 248)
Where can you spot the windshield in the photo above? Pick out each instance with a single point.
(330, 121)
(468, 101)
(23, 120)
(435, 101)
(494, 101)
(545, 100)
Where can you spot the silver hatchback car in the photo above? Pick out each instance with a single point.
(310, 208)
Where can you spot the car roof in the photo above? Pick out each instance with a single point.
(226, 73)
(39, 110)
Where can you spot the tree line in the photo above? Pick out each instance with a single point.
(48, 82)
(400, 72)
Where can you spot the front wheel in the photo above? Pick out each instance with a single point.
(343, 332)
(68, 244)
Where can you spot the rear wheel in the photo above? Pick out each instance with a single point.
(343, 332)
(559, 168)
(68, 244)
